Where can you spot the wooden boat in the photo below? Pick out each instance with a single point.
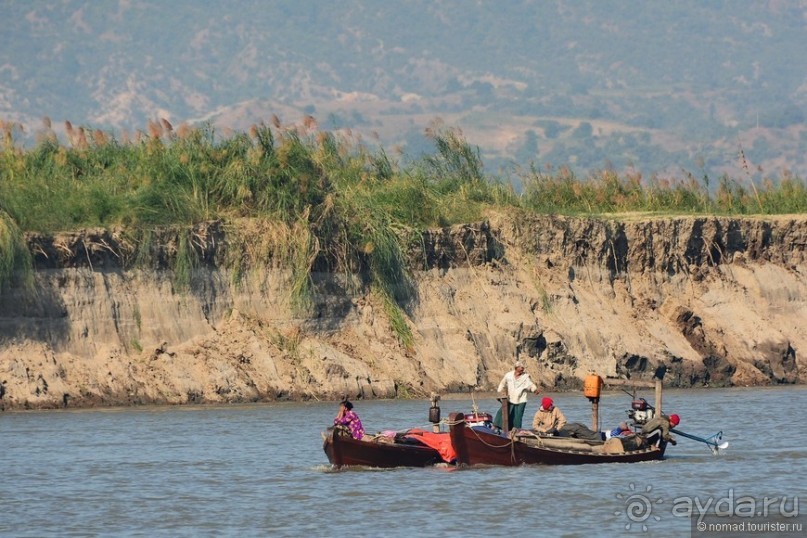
(473, 440)
(476, 441)
(483, 445)
(408, 449)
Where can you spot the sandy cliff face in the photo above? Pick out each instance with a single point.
(715, 301)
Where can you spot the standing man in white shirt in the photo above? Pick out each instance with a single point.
(518, 383)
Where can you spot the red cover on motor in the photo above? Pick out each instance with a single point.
(639, 405)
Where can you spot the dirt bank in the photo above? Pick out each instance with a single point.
(717, 301)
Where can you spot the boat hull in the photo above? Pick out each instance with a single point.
(482, 446)
(343, 450)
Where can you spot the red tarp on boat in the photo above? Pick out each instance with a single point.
(441, 442)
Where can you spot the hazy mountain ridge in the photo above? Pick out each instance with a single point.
(660, 87)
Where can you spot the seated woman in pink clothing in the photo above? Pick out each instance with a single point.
(347, 417)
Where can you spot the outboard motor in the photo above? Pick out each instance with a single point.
(641, 411)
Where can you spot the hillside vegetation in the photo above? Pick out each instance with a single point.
(333, 203)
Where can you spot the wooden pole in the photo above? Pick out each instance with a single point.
(505, 414)
(658, 397)
(595, 414)
(629, 383)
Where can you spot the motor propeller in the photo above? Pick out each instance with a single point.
(714, 442)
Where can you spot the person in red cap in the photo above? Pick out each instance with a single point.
(548, 419)
(660, 425)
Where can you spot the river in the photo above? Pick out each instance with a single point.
(259, 470)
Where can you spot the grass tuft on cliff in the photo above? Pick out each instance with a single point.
(15, 259)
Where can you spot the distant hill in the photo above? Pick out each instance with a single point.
(701, 88)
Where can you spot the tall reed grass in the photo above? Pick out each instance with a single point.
(607, 193)
(333, 203)
(15, 259)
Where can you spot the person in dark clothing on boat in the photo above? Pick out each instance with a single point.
(576, 430)
(347, 417)
(622, 433)
(518, 383)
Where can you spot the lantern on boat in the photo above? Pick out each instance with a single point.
(434, 412)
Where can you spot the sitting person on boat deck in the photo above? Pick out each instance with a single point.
(518, 382)
(661, 424)
(347, 417)
(548, 419)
